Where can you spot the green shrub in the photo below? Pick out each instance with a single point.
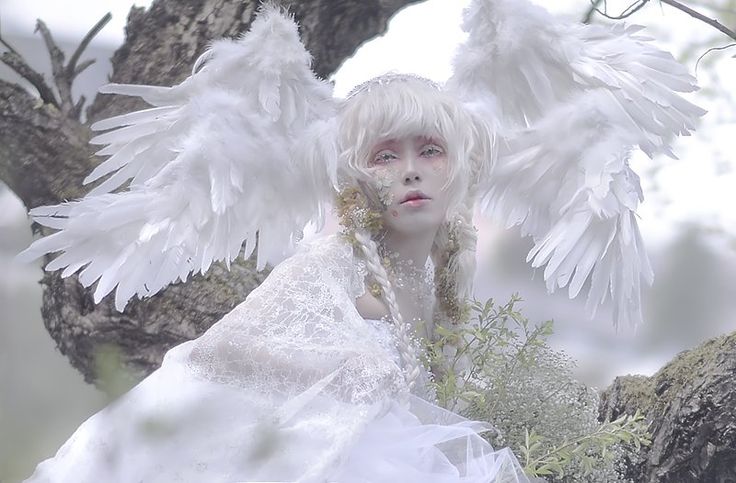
(499, 368)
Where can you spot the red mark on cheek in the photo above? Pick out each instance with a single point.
(394, 213)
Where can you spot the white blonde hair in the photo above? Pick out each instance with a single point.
(399, 106)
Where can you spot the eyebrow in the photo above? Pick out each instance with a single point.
(419, 140)
(430, 140)
(386, 143)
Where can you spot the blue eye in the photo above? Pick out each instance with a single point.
(384, 157)
(431, 151)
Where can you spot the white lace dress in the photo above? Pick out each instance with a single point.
(291, 385)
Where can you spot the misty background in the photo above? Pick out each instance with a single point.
(688, 219)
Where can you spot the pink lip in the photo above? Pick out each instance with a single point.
(414, 197)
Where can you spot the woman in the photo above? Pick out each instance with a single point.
(317, 375)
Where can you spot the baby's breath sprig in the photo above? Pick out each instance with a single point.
(456, 310)
(355, 213)
(502, 370)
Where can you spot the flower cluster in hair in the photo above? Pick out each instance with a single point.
(355, 213)
(455, 308)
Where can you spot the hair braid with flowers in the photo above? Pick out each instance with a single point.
(453, 255)
(406, 345)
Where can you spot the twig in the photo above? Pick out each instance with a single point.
(63, 84)
(712, 49)
(16, 62)
(71, 68)
(713, 8)
(8, 46)
(710, 21)
(77, 112)
(639, 4)
(628, 12)
(81, 67)
(64, 75)
(594, 4)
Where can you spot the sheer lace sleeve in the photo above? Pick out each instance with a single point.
(299, 332)
(292, 385)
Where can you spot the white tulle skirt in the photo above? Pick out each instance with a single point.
(177, 427)
(399, 447)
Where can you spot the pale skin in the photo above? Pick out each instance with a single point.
(413, 172)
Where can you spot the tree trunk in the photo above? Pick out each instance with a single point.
(44, 156)
(691, 404)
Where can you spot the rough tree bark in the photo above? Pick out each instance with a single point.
(44, 156)
(691, 404)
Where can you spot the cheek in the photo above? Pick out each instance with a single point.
(383, 182)
(386, 182)
(441, 164)
(439, 167)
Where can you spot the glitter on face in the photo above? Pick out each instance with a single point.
(414, 164)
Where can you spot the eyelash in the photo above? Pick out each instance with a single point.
(437, 151)
(428, 151)
(383, 157)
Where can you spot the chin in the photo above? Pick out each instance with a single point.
(414, 223)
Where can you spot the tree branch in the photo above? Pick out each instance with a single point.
(64, 75)
(83, 66)
(628, 12)
(71, 68)
(20, 67)
(639, 4)
(43, 153)
(710, 21)
(14, 60)
(594, 4)
(63, 83)
(711, 7)
(712, 49)
(8, 46)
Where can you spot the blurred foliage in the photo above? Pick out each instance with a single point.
(500, 369)
(113, 379)
(687, 302)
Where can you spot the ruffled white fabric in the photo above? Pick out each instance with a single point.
(292, 385)
(439, 447)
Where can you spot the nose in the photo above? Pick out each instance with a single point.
(411, 174)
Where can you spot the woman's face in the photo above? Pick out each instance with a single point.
(410, 174)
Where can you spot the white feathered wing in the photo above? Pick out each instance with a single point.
(219, 160)
(571, 102)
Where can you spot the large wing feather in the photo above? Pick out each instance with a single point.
(572, 102)
(217, 161)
